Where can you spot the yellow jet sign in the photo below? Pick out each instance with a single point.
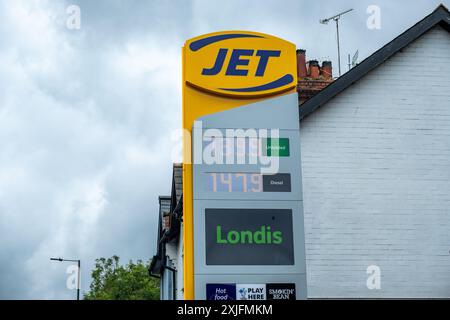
(240, 64)
(225, 70)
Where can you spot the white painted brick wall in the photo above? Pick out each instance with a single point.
(180, 258)
(172, 252)
(376, 179)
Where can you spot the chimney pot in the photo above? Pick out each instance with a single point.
(313, 69)
(301, 64)
(326, 71)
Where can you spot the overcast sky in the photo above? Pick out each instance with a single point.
(87, 117)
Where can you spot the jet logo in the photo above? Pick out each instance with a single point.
(240, 64)
(238, 60)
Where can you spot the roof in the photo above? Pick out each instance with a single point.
(177, 180)
(171, 206)
(164, 205)
(440, 16)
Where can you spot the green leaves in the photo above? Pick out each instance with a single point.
(112, 281)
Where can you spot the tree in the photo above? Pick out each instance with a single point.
(111, 281)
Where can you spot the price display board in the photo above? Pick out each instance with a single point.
(243, 235)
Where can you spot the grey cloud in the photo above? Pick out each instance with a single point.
(86, 117)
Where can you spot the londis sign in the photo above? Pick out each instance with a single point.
(240, 64)
(247, 236)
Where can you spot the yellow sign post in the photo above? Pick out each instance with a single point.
(225, 70)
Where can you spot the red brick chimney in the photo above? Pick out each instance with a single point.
(311, 78)
(301, 64)
(313, 71)
(326, 71)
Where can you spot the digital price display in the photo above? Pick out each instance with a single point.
(235, 182)
(248, 182)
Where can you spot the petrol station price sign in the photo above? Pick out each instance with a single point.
(248, 182)
(242, 194)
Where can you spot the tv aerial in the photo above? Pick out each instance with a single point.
(336, 18)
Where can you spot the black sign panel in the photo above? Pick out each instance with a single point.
(280, 291)
(249, 237)
(280, 182)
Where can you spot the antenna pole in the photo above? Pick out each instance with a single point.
(336, 18)
(339, 49)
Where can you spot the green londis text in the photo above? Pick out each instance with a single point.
(264, 235)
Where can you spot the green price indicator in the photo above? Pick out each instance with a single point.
(276, 147)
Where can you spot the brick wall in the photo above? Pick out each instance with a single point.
(309, 87)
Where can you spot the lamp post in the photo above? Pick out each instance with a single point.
(336, 18)
(79, 272)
